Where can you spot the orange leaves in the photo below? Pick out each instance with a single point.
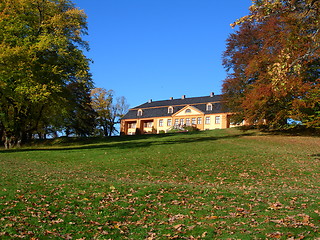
(211, 217)
(295, 221)
(273, 62)
(275, 206)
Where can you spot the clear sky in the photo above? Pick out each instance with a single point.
(157, 49)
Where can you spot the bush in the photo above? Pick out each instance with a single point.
(191, 129)
(184, 129)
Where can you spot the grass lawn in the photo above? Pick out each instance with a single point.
(221, 184)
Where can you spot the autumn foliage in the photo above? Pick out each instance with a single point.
(40, 56)
(273, 64)
(45, 82)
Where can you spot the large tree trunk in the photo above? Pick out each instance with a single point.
(11, 141)
(6, 142)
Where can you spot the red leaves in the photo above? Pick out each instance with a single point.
(273, 64)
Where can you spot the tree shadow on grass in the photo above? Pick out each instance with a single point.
(316, 156)
(132, 142)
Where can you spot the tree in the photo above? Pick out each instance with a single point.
(241, 47)
(101, 101)
(273, 63)
(118, 110)
(109, 113)
(79, 119)
(40, 55)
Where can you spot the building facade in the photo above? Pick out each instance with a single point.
(204, 113)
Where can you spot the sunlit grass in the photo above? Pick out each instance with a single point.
(210, 185)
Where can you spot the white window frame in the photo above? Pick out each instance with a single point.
(207, 120)
(148, 124)
(139, 113)
(199, 120)
(161, 123)
(170, 110)
(209, 107)
(217, 120)
(169, 122)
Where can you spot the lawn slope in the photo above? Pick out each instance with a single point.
(221, 184)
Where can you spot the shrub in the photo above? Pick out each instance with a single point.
(191, 129)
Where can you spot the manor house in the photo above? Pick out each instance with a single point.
(204, 113)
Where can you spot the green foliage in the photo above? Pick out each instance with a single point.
(39, 56)
(184, 128)
(210, 185)
(80, 116)
(191, 128)
(109, 110)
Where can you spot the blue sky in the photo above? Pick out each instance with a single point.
(157, 49)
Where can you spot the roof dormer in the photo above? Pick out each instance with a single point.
(139, 113)
(209, 107)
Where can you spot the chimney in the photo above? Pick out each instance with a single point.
(183, 97)
(211, 94)
(171, 98)
(150, 101)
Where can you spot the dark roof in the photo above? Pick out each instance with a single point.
(160, 108)
(180, 101)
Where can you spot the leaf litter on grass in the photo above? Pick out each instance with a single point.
(224, 187)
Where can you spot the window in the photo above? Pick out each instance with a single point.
(181, 121)
(217, 120)
(193, 120)
(188, 111)
(207, 120)
(139, 114)
(199, 121)
(176, 122)
(161, 123)
(132, 125)
(148, 125)
(188, 121)
(170, 110)
(209, 107)
(169, 122)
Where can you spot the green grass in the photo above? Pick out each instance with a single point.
(221, 184)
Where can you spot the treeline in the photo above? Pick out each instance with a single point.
(273, 64)
(45, 84)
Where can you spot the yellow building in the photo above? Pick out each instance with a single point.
(204, 113)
